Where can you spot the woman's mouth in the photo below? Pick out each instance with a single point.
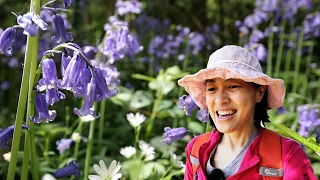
(225, 114)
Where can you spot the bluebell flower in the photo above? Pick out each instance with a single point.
(60, 30)
(5, 85)
(65, 60)
(63, 145)
(49, 78)
(196, 42)
(90, 51)
(173, 134)
(43, 115)
(7, 134)
(258, 50)
(203, 115)
(87, 112)
(53, 96)
(111, 74)
(6, 40)
(14, 63)
(67, 3)
(312, 25)
(31, 23)
(308, 120)
(81, 83)
(102, 90)
(187, 104)
(71, 76)
(256, 36)
(281, 110)
(119, 42)
(72, 168)
(128, 6)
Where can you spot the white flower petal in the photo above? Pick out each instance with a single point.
(95, 177)
(116, 169)
(116, 177)
(112, 166)
(98, 169)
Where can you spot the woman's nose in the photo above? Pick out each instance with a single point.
(222, 97)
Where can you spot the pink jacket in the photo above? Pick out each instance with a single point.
(295, 163)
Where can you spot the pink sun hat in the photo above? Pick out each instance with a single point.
(232, 62)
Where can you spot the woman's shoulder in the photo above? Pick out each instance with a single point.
(204, 136)
(289, 144)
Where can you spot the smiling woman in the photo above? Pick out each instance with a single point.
(237, 95)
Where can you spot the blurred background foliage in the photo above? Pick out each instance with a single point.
(87, 20)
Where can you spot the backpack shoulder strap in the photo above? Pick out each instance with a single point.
(194, 156)
(271, 158)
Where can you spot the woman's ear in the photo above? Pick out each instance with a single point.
(260, 93)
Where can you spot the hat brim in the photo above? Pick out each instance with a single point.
(195, 84)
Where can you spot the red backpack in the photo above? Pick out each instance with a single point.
(271, 160)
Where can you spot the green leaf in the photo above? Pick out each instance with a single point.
(141, 99)
(174, 70)
(133, 167)
(164, 104)
(143, 77)
(294, 135)
(154, 167)
(162, 86)
(160, 146)
(316, 168)
(195, 126)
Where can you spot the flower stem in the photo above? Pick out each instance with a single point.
(31, 53)
(298, 60)
(77, 143)
(270, 47)
(288, 57)
(280, 49)
(168, 170)
(139, 170)
(89, 150)
(101, 122)
(137, 134)
(154, 112)
(308, 62)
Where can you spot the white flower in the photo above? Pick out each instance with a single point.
(176, 161)
(147, 150)
(76, 137)
(48, 177)
(135, 120)
(127, 151)
(7, 156)
(106, 174)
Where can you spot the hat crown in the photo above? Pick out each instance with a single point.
(232, 56)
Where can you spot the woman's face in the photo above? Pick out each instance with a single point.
(231, 103)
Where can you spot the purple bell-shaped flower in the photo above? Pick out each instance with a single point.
(43, 115)
(173, 134)
(72, 168)
(102, 90)
(60, 30)
(87, 113)
(7, 134)
(6, 39)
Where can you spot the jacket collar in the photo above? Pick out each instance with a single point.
(250, 159)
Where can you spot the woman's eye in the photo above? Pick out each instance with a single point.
(211, 89)
(233, 87)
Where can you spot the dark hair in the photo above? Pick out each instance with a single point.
(216, 174)
(260, 112)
